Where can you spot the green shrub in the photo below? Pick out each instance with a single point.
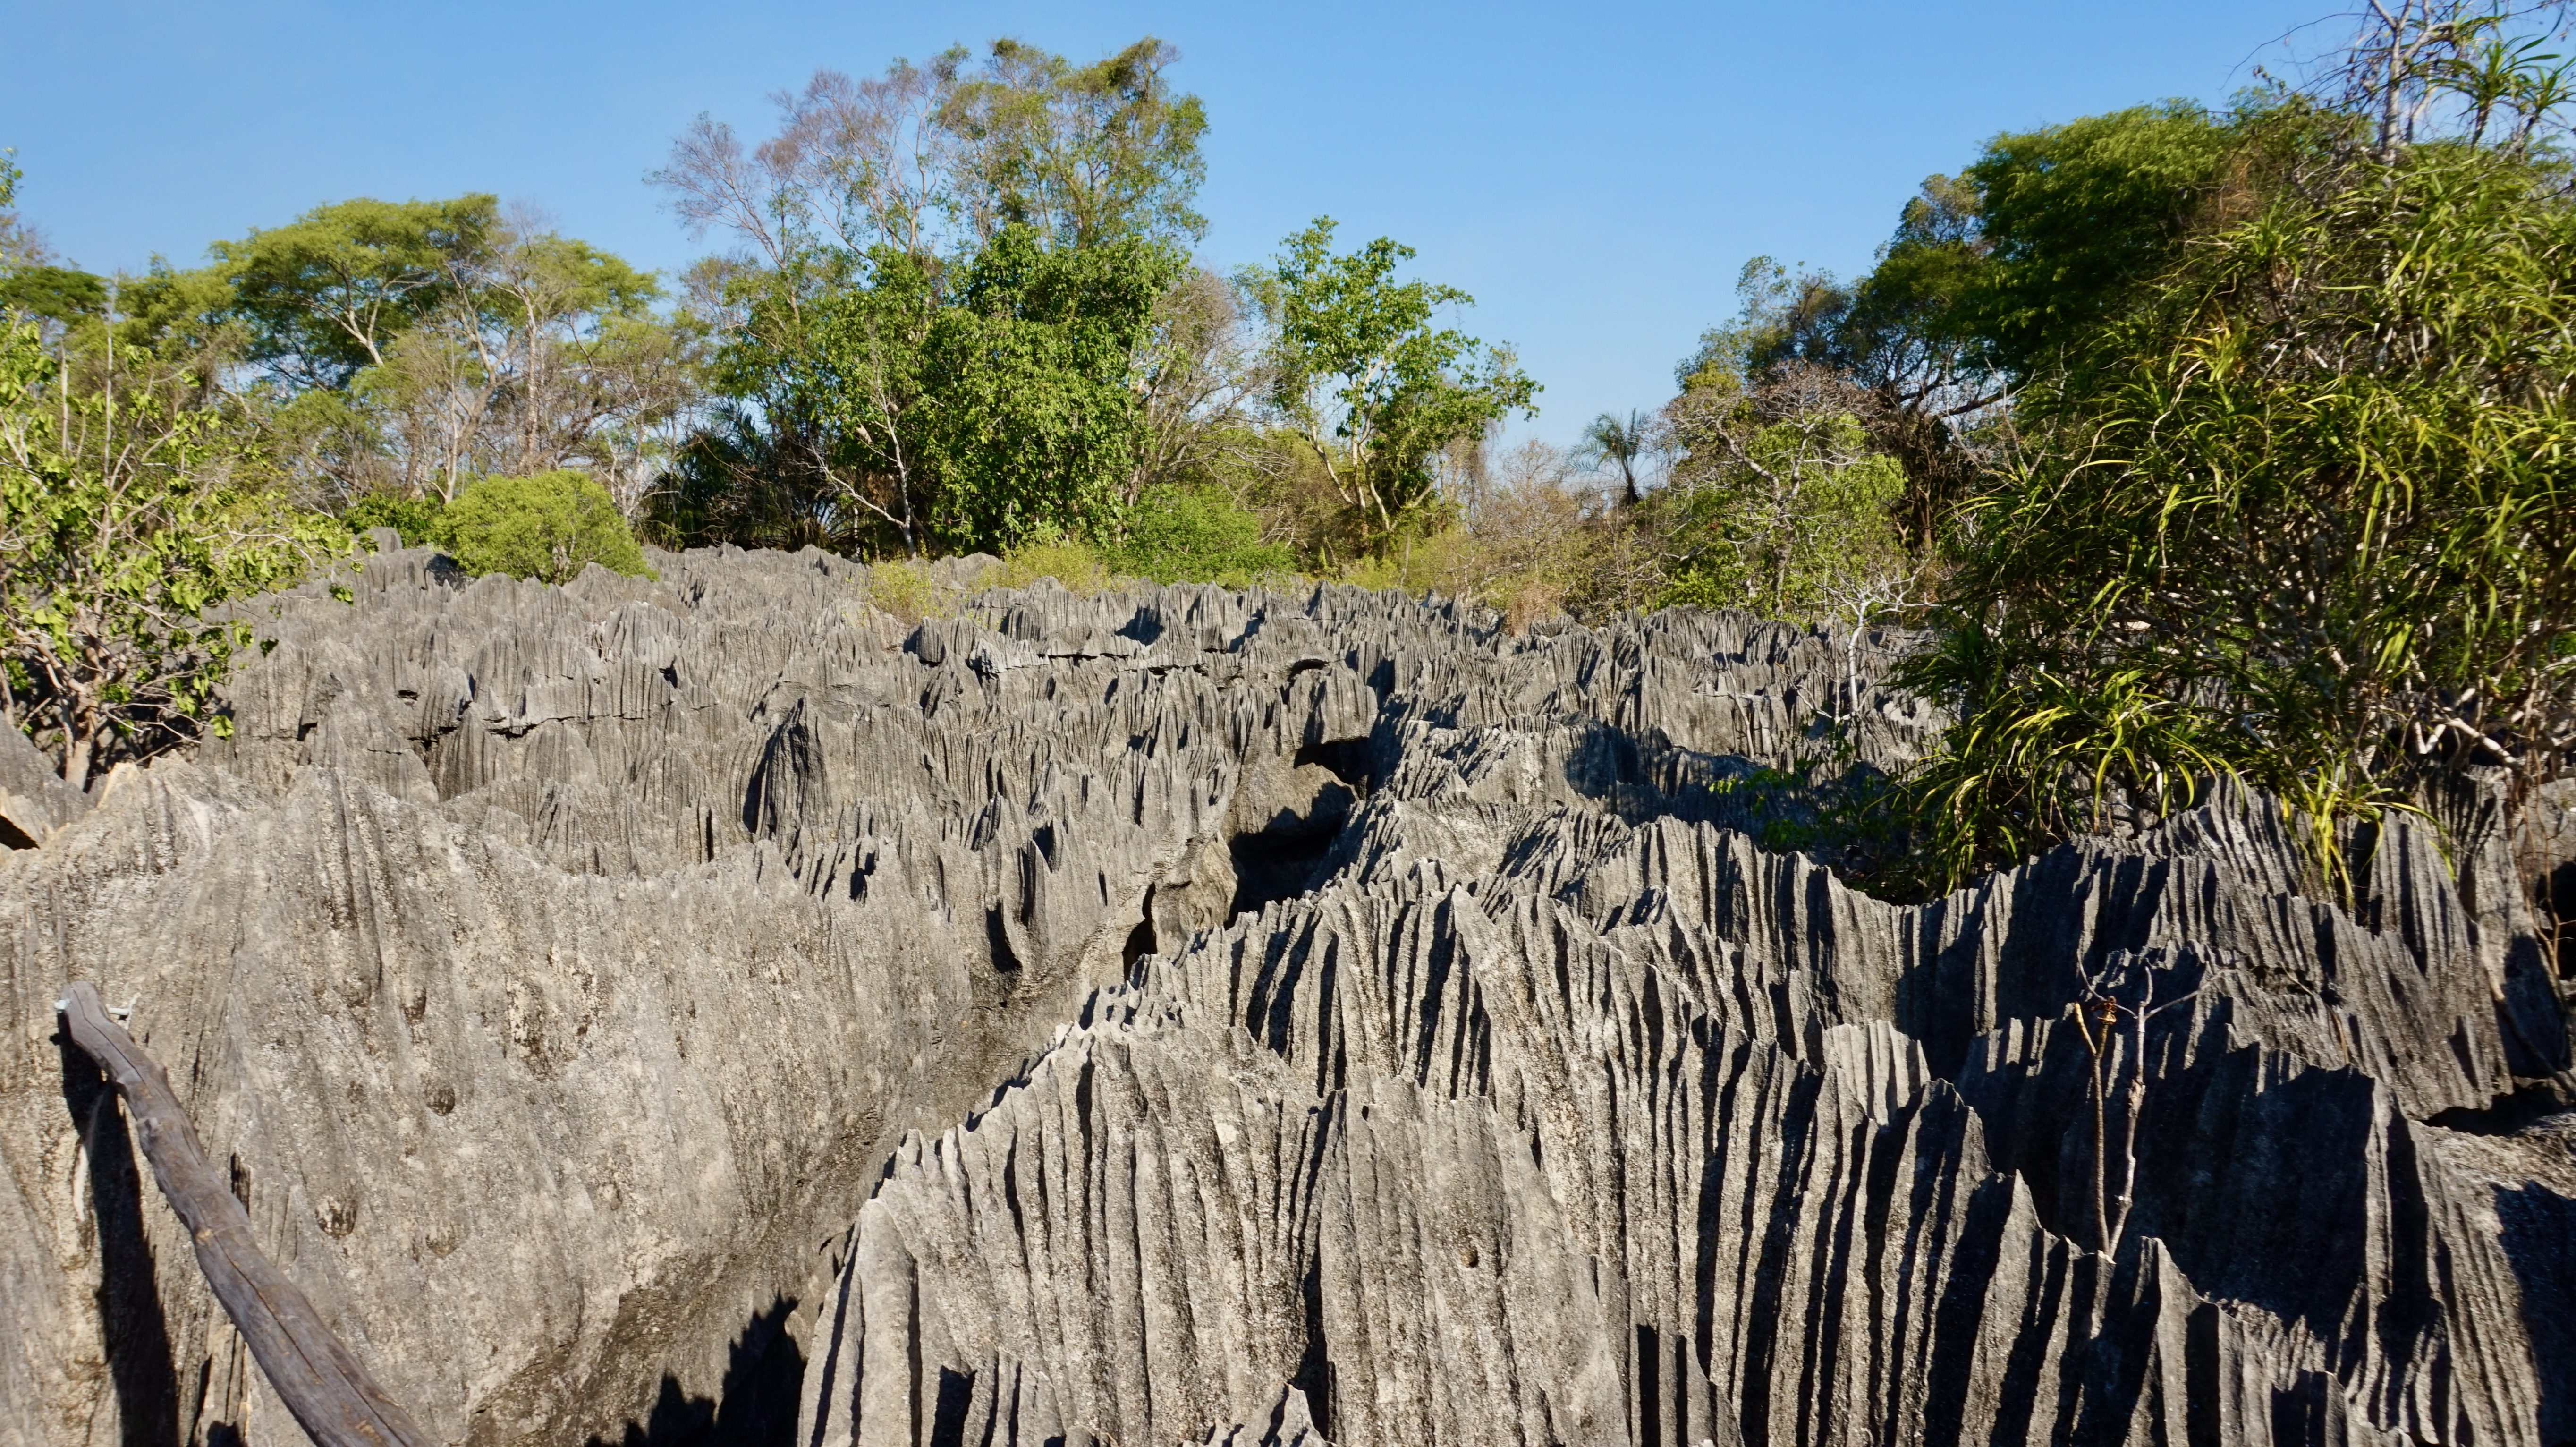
(547, 527)
(415, 518)
(2301, 518)
(1069, 561)
(1178, 535)
(911, 591)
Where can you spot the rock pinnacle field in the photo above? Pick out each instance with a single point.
(711, 1008)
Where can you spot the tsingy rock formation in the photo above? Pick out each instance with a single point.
(710, 1008)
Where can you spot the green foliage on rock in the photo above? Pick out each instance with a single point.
(547, 527)
(415, 519)
(1070, 562)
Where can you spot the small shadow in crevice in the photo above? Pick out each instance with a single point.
(140, 1365)
(1141, 939)
(755, 1405)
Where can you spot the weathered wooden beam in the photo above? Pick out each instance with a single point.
(315, 1375)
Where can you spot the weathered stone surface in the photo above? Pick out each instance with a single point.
(1238, 1017)
(34, 800)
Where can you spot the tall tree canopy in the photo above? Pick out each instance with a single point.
(2073, 218)
(1083, 155)
(324, 296)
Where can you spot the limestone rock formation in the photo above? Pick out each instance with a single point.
(34, 800)
(710, 1008)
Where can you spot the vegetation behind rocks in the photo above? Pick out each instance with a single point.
(2197, 442)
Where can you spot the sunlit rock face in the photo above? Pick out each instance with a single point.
(710, 1009)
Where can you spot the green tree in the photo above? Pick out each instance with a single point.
(1377, 392)
(1610, 440)
(124, 523)
(1034, 425)
(55, 293)
(934, 333)
(1994, 277)
(936, 160)
(1199, 376)
(1908, 336)
(407, 347)
(868, 372)
(2073, 218)
(325, 294)
(1085, 155)
(548, 527)
(542, 347)
(1777, 503)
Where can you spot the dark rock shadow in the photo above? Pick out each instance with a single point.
(2540, 1241)
(140, 1365)
(755, 1405)
(1140, 941)
(1353, 761)
(1267, 869)
(1283, 862)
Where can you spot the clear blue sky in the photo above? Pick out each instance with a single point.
(1595, 174)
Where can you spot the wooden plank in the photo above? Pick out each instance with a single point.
(315, 1375)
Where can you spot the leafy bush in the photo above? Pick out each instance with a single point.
(547, 527)
(910, 591)
(1778, 502)
(1178, 535)
(1069, 561)
(123, 529)
(2307, 517)
(415, 518)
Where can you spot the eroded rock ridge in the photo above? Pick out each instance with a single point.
(711, 1008)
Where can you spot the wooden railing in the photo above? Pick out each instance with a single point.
(317, 1378)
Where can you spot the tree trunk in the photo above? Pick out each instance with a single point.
(80, 741)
